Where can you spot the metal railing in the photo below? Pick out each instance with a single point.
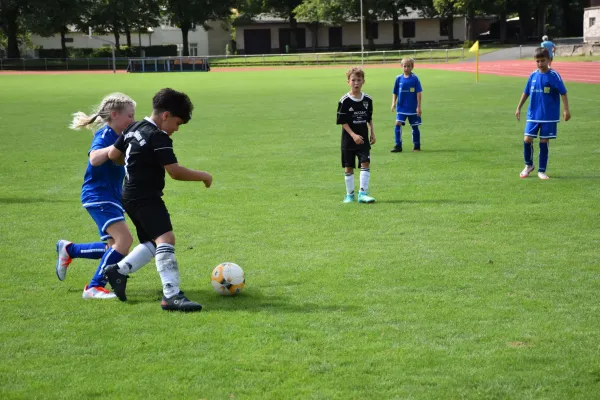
(368, 57)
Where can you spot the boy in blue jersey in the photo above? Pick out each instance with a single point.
(101, 195)
(545, 87)
(406, 101)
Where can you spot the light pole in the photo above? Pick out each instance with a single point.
(362, 35)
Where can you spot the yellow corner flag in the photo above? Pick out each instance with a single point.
(475, 48)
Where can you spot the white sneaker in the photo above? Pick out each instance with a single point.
(526, 171)
(97, 293)
(64, 259)
(542, 175)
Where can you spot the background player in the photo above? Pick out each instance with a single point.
(406, 99)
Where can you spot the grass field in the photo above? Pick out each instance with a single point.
(461, 282)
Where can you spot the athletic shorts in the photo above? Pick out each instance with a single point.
(349, 156)
(546, 130)
(104, 215)
(150, 217)
(413, 119)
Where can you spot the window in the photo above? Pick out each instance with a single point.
(408, 29)
(592, 21)
(372, 30)
(443, 27)
(194, 49)
(68, 40)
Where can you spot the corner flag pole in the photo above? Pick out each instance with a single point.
(475, 48)
(112, 48)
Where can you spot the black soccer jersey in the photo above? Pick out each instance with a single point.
(147, 150)
(357, 113)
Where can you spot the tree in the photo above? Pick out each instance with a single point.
(11, 12)
(315, 12)
(189, 14)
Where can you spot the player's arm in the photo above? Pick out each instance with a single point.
(116, 155)
(394, 101)
(372, 140)
(419, 96)
(566, 112)
(181, 173)
(357, 138)
(99, 157)
(524, 97)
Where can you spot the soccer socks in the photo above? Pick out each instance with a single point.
(365, 175)
(110, 257)
(349, 178)
(141, 255)
(93, 251)
(543, 161)
(416, 136)
(528, 153)
(398, 135)
(166, 265)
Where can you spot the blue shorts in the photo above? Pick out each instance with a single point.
(105, 215)
(413, 119)
(547, 130)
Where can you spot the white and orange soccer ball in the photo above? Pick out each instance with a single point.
(228, 279)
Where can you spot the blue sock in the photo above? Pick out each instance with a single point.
(110, 257)
(543, 161)
(528, 153)
(93, 251)
(398, 135)
(416, 136)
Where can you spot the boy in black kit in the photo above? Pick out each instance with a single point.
(148, 152)
(354, 113)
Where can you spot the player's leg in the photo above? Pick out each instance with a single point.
(348, 163)
(531, 130)
(67, 251)
(400, 118)
(364, 158)
(415, 122)
(548, 131)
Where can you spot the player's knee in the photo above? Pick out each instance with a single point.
(168, 237)
(398, 123)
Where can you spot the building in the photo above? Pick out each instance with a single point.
(268, 34)
(201, 42)
(591, 22)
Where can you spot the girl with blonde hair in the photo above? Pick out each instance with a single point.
(101, 193)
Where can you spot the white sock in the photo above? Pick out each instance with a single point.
(349, 177)
(141, 255)
(365, 175)
(166, 265)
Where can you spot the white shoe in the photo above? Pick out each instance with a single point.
(97, 293)
(64, 259)
(526, 171)
(542, 175)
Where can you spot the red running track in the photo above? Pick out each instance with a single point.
(587, 72)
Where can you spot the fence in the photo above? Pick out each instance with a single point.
(369, 57)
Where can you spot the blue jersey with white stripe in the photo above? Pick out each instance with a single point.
(406, 88)
(104, 183)
(544, 90)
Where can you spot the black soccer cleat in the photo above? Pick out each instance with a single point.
(397, 149)
(117, 281)
(179, 303)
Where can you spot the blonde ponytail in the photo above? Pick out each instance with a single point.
(101, 114)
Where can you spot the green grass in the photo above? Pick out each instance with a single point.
(462, 281)
(577, 58)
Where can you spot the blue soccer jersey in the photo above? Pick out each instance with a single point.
(544, 90)
(103, 184)
(550, 46)
(406, 88)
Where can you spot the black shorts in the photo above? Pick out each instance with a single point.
(150, 217)
(349, 156)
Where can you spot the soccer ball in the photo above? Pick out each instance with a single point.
(228, 279)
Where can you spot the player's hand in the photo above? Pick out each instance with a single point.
(392, 107)
(373, 140)
(358, 139)
(419, 111)
(208, 180)
(518, 114)
(567, 115)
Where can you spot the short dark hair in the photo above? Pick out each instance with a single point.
(174, 102)
(541, 52)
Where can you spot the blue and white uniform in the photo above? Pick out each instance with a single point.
(543, 114)
(550, 47)
(406, 88)
(101, 192)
